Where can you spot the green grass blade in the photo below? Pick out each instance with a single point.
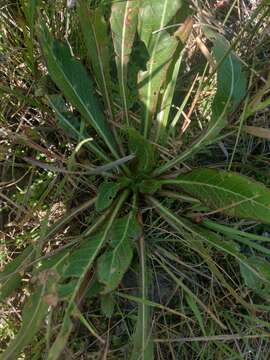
(209, 237)
(143, 347)
(227, 192)
(124, 18)
(232, 231)
(73, 80)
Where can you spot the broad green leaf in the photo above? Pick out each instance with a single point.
(124, 18)
(145, 153)
(115, 261)
(68, 122)
(227, 192)
(78, 268)
(11, 276)
(95, 32)
(74, 82)
(34, 311)
(107, 304)
(106, 194)
(154, 15)
(231, 89)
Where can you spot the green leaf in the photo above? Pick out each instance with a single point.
(113, 264)
(145, 153)
(78, 268)
(231, 89)
(107, 305)
(34, 311)
(95, 32)
(154, 15)
(143, 346)
(73, 80)
(106, 194)
(124, 18)
(195, 309)
(149, 186)
(11, 276)
(68, 122)
(230, 193)
(172, 79)
(251, 280)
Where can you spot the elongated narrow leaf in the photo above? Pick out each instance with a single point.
(143, 347)
(75, 83)
(145, 153)
(95, 32)
(106, 194)
(71, 124)
(231, 89)
(171, 79)
(154, 15)
(257, 131)
(230, 193)
(113, 264)
(124, 18)
(35, 310)
(77, 270)
(10, 278)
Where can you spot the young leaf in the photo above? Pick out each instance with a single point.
(79, 265)
(113, 264)
(124, 17)
(10, 278)
(154, 15)
(73, 80)
(95, 32)
(231, 89)
(145, 154)
(227, 192)
(106, 194)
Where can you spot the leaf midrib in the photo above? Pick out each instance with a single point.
(191, 182)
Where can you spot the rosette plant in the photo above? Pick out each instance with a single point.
(153, 209)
